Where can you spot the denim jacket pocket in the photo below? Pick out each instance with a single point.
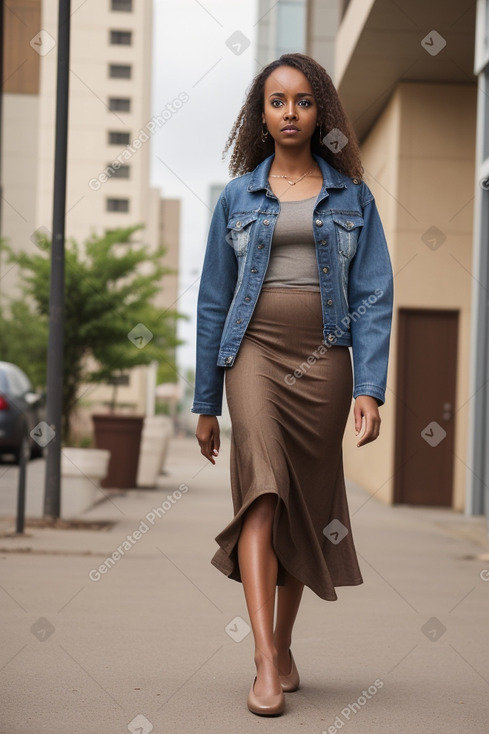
(239, 230)
(348, 228)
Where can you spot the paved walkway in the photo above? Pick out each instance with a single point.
(159, 640)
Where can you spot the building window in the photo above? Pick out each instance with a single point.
(291, 26)
(120, 71)
(121, 38)
(117, 205)
(121, 172)
(119, 104)
(117, 138)
(124, 6)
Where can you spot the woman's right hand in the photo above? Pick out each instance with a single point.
(208, 436)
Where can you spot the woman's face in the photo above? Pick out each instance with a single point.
(289, 108)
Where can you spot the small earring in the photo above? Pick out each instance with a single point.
(264, 133)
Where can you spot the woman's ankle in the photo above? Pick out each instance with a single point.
(265, 657)
(282, 644)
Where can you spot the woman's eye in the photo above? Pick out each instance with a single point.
(301, 103)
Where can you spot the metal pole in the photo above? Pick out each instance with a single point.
(52, 489)
(2, 39)
(21, 489)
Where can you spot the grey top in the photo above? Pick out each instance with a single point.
(293, 257)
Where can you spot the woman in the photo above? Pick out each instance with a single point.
(296, 270)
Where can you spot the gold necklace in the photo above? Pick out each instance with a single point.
(291, 183)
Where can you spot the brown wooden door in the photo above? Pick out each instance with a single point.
(425, 420)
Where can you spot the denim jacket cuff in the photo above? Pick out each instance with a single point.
(206, 408)
(373, 391)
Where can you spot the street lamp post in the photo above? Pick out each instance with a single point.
(52, 488)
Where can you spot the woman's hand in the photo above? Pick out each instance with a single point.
(208, 436)
(366, 413)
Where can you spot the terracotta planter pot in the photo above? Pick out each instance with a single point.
(121, 435)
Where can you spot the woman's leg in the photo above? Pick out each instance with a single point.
(288, 600)
(258, 567)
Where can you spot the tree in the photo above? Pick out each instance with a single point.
(110, 284)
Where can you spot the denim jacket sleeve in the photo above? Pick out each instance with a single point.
(370, 295)
(216, 291)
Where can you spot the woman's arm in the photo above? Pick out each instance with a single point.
(366, 414)
(370, 296)
(208, 436)
(217, 284)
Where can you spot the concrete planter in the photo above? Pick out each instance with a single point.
(155, 439)
(81, 473)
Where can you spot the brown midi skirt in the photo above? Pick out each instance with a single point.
(288, 416)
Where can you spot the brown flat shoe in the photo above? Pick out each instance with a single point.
(290, 682)
(266, 705)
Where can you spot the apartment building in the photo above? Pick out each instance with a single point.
(110, 129)
(406, 77)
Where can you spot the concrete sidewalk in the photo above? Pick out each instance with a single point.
(156, 639)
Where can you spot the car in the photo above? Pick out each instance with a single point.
(19, 413)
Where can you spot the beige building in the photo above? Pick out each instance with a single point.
(405, 76)
(110, 129)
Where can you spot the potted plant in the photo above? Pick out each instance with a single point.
(110, 322)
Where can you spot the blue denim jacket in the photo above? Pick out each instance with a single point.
(355, 278)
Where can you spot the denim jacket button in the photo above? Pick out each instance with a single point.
(260, 246)
(238, 225)
(355, 181)
(266, 222)
(323, 242)
(325, 270)
(254, 270)
(319, 222)
(247, 299)
(229, 360)
(331, 337)
(239, 321)
(329, 302)
(349, 225)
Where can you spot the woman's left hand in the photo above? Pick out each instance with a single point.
(366, 413)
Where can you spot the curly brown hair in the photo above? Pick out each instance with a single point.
(249, 148)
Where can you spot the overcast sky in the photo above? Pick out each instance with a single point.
(190, 56)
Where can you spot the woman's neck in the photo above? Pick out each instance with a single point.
(293, 162)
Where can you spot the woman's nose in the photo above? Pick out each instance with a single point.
(290, 111)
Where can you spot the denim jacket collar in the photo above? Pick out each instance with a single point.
(331, 178)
